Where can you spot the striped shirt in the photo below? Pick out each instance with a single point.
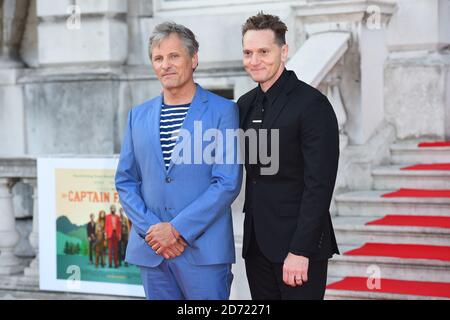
(171, 120)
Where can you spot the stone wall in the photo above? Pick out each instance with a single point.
(416, 75)
(416, 95)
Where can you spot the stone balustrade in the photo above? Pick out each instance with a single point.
(13, 170)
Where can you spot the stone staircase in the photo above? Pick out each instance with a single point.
(356, 209)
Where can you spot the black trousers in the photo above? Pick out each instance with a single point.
(265, 278)
(91, 250)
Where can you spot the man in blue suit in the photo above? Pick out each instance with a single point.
(180, 207)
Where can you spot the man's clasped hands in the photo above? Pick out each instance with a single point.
(165, 240)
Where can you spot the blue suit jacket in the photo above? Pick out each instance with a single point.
(195, 198)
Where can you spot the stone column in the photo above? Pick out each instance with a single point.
(137, 48)
(12, 23)
(13, 15)
(32, 271)
(333, 92)
(9, 237)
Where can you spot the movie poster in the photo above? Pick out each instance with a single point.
(83, 229)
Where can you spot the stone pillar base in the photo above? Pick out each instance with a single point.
(32, 271)
(8, 63)
(10, 264)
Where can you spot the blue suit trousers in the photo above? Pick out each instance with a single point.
(178, 279)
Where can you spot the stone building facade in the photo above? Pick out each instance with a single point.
(71, 69)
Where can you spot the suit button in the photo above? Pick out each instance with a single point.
(168, 179)
(254, 181)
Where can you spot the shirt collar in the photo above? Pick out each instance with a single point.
(275, 90)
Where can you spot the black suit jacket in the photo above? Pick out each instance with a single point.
(289, 211)
(90, 229)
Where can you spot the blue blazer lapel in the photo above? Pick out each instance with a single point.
(153, 130)
(195, 112)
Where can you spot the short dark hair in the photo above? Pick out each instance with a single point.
(263, 21)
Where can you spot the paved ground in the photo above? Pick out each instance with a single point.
(43, 295)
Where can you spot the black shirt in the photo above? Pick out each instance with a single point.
(264, 101)
(254, 120)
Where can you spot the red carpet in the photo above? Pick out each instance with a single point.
(407, 251)
(418, 193)
(434, 144)
(412, 221)
(417, 288)
(437, 166)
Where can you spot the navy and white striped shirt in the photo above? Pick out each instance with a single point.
(171, 120)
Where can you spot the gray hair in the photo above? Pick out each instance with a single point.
(165, 29)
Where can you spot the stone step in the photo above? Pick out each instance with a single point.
(408, 152)
(20, 287)
(352, 230)
(46, 295)
(390, 267)
(331, 294)
(393, 178)
(370, 203)
(383, 293)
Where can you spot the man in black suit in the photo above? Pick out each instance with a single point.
(288, 233)
(90, 229)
